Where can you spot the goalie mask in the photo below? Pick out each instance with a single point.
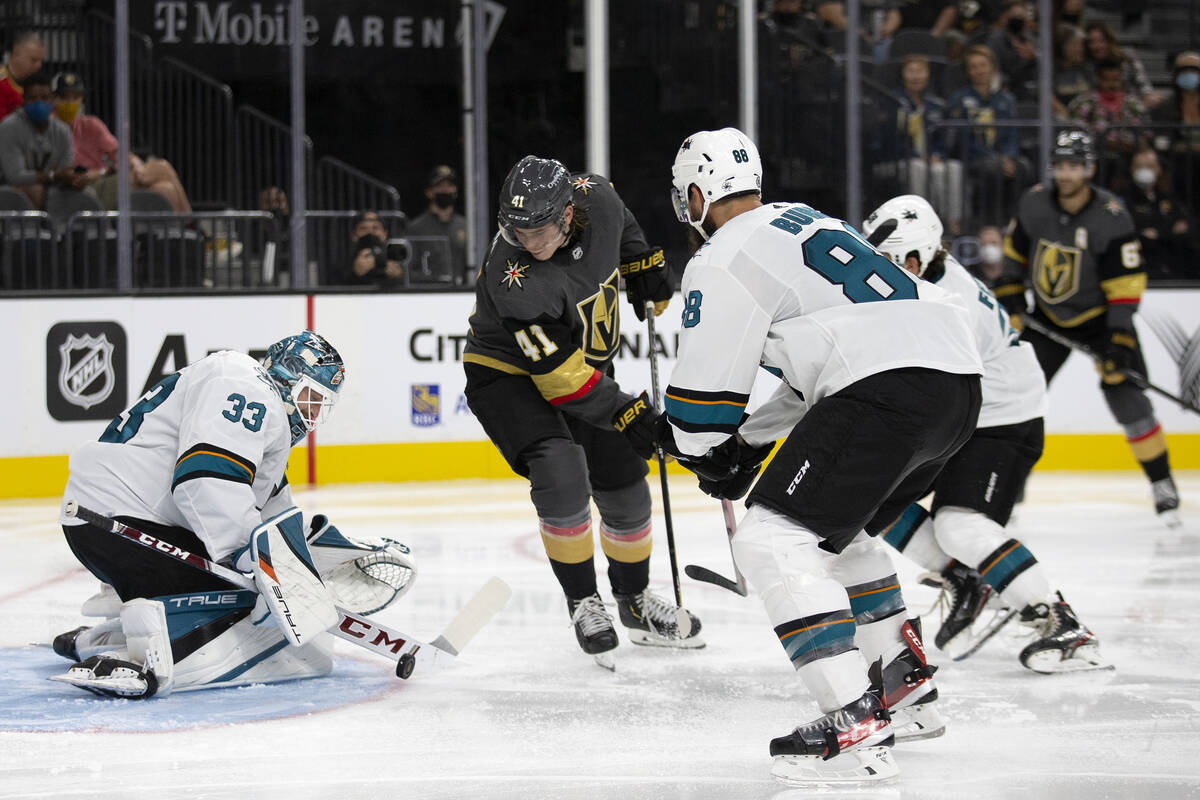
(308, 372)
(916, 230)
(536, 193)
(718, 163)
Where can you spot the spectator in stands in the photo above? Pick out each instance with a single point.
(791, 39)
(1069, 12)
(369, 262)
(1164, 224)
(880, 19)
(26, 58)
(96, 151)
(1182, 109)
(935, 16)
(1109, 106)
(1071, 77)
(1102, 46)
(991, 255)
(989, 154)
(35, 147)
(1011, 41)
(923, 167)
(440, 219)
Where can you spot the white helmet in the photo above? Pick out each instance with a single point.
(719, 163)
(916, 229)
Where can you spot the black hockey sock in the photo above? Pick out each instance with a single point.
(1157, 468)
(577, 580)
(627, 578)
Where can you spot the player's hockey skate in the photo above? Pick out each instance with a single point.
(650, 620)
(1166, 502)
(109, 675)
(972, 612)
(1063, 644)
(908, 689)
(850, 745)
(86, 641)
(594, 629)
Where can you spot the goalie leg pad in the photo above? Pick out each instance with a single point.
(147, 640)
(288, 580)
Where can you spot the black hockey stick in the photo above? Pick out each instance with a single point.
(1139, 380)
(706, 575)
(662, 464)
(405, 650)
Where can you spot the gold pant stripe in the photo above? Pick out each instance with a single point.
(627, 550)
(1150, 447)
(569, 549)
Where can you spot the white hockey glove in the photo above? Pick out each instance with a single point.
(364, 575)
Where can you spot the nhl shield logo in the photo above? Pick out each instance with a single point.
(85, 373)
(85, 370)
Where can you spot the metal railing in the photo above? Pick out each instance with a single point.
(263, 159)
(330, 243)
(337, 185)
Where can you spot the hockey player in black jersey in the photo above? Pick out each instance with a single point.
(539, 372)
(1076, 245)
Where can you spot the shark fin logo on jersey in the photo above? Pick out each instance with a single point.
(514, 273)
(583, 183)
(426, 404)
(1056, 271)
(601, 319)
(86, 375)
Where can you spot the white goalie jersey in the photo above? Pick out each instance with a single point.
(205, 449)
(805, 296)
(1014, 387)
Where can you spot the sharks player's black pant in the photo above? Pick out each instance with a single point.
(569, 462)
(137, 571)
(1129, 405)
(861, 456)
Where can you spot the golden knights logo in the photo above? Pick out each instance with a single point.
(85, 370)
(426, 404)
(1056, 270)
(601, 320)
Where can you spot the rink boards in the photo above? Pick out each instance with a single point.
(403, 415)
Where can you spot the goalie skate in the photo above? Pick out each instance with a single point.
(594, 629)
(971, 612)
(850, 745)
(109, 675)
(86, 641)
(650, 620)
(1063, 643)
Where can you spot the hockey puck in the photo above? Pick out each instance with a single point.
(405, 666)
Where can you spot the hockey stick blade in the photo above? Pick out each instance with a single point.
(706, 575)
(478, 611)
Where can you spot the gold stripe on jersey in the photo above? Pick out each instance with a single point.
(566, 379)
(1008, 290)
(1011, 251)
(1071, 322)
(493, 363)
(1124, 287)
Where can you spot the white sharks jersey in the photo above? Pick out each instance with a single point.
(1014, 387)
(804, 296)
(205, 450)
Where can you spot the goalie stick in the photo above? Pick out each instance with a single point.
(1139, 380)
(406, 651)
(706, 575)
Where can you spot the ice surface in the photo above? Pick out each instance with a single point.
(524, 714)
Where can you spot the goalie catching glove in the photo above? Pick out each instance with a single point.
(647, 279)
(364, 575)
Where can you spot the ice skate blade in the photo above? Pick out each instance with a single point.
(608, 660)
(968, 643)
(917, 722)
(872, 765)
(1051, 662)
(648, 639)
(1171, 519)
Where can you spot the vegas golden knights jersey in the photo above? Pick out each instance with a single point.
(559, 320)
(1079, 266)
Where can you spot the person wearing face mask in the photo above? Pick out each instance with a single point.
(441, 220)
(991, 255)
(26, 58)
(1163, 223)
(1184, 107)
(1015, 49)
(96, 151)
(36, 148)
(1109, 106)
